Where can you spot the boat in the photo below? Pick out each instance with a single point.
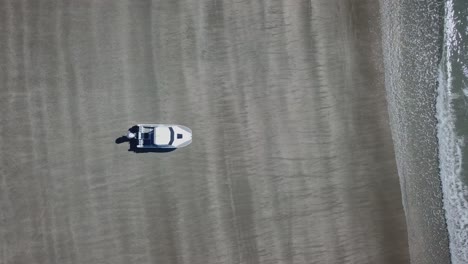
(160, 136)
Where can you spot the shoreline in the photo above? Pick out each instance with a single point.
(412, 43)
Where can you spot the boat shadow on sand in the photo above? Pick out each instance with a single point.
(133, 143)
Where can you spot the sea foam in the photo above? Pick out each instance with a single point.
(450, 148)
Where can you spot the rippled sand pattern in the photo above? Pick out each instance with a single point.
(292, 159)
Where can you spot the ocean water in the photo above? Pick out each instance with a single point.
(452, 115)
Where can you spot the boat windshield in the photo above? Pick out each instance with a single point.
(164, 136)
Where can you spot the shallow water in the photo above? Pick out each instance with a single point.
(412, 45)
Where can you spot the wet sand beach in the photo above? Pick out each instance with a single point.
(292, 159)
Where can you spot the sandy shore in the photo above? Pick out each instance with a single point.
(291, 162)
